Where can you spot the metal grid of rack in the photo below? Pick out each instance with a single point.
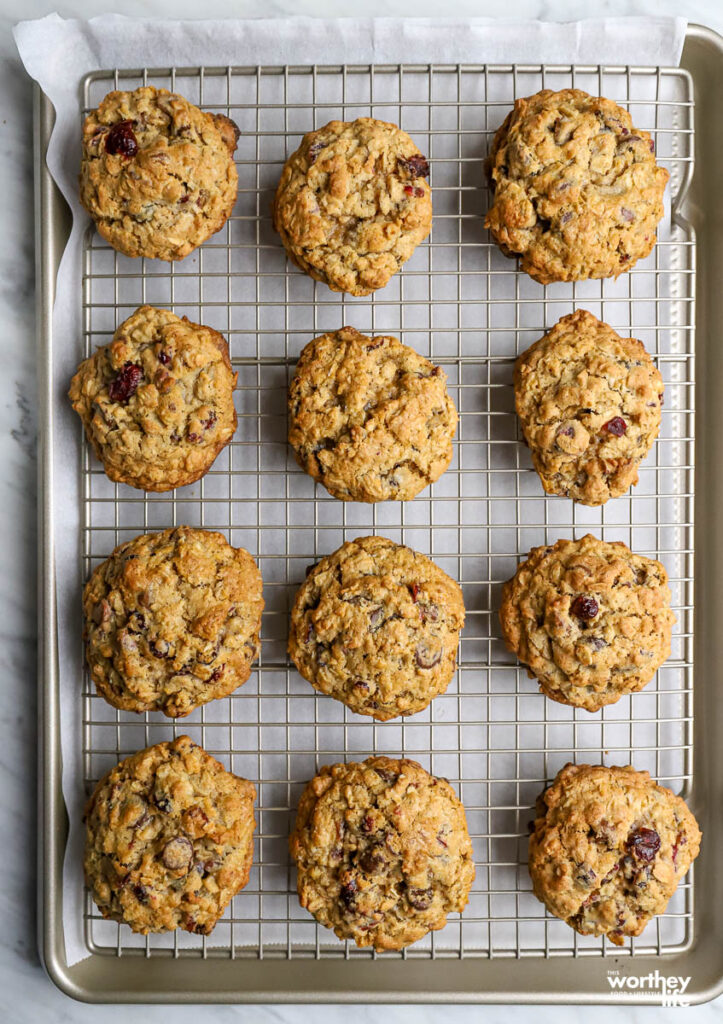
(462, 304)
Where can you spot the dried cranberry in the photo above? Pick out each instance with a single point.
(584, 607)
(568, 431)
(616, 426)
(652, 145)
(414, 190)
(417, 166)
(121, 139)
(164, 357)
(193, 437)
(348, 893)
(216, 674)
(644, 843)
(209, 421)
(124, 385)
(314, 149)
(415, 588)
(141, 893)
(368, 824)
(160, 648)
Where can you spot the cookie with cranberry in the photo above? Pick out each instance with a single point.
(157, 174)
(382, 852)
(376, 626)
(577, 190)
(353, 204)
(172, 621)
(608, 849)
(589, 404)
(157, 402)
(369, 418)
(169, 839)
(590, 620)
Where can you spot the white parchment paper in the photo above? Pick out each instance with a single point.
(58, 52)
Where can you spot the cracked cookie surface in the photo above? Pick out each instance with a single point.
(376, 626)
(172, 621)
(369, 418)
(589, 619)
(382, 852)
(577, 190)
(608, 849)
(352, 204)
(589, 404)
(157, 174)
(157, 402)
(169, 839)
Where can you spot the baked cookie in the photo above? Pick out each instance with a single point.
(169, 839)
(172, 621)
(577, 191)
(157, 174)
(352, 204)
(608, 849)
(382, 852)
(589, 404)
(157, 403)
(369, 418)
(376, 626)
(589, 619)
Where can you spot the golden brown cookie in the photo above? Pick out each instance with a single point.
(157, 174)
(577, 190)
(169, 839)
(609, 848)
(589, 619)
(382, 852)
(157, 403)
(589, 404)
(172, 621)
(352, 204)
(369, 418)
(376, 625)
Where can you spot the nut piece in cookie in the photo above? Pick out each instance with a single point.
(369, 418)
(172, 621)
(589, 404)
(577, 190)
(590, 620)
(376, 626)
(382, 852)
(353, 204)
(157, 174)
(608, 849)
(157, 402)
(169, 839)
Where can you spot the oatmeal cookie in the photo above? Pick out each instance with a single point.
(169, 839)
(352, 204)
(589, 404)
(157, 174)
(609, 848)
(382, 851)
(589, 619)
(157, 402)
(172, 621)
(376, 626)
(369, 418)
(577, 190)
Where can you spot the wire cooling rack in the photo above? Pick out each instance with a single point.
(461, 303)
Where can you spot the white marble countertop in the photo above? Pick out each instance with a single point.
(26, 995)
